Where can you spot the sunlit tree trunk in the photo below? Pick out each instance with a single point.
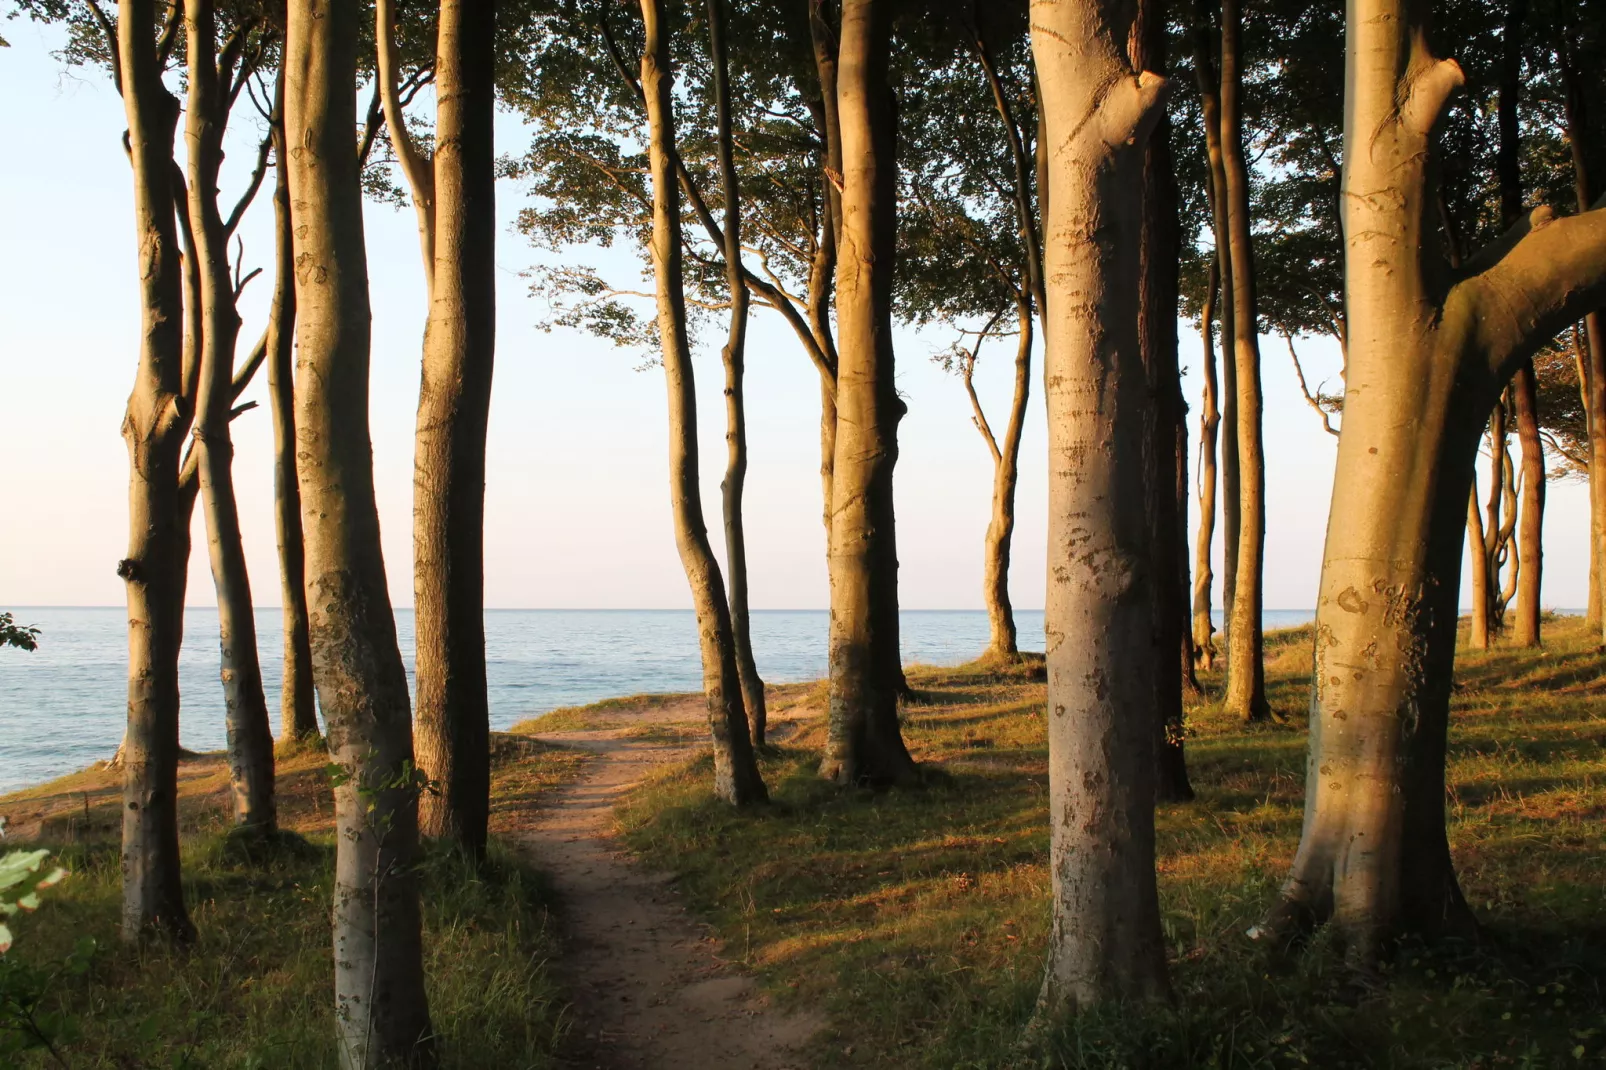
(454, 195)
(864, 744)
(822, 269)
(1246, 673)
(154, 426)
(1478, 625)
(1429, 351)
(1105, 943)
(736, 777)
(1595, 346)
(250, 734)
(298, 714)
(734, 358)
(1209, 422)
(381, 1016)
(1524, 388)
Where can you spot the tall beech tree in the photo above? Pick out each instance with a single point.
(381, 1014)
(734, 357)
(864, 743)
(155, 425)
(1246, 672)
(1204, 628)
(1105, 942)
(298, 713)
(1430, 349)
(454, 195)
(216, 74)
(736, 776)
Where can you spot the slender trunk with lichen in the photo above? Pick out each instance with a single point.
(250, 734)
(1430, 349)
(864, 743)
(298, 713)
(1209, 422)
(154, 427)
(736, 777)
(734, 357)
(1105, 944)
(381, 1014)
(454, 195)
(1246, 671)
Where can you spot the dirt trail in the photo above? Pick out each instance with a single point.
(649, 989)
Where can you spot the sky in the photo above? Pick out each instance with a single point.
(577, 499)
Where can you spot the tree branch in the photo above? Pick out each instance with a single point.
(1314, 401)
(420, 176)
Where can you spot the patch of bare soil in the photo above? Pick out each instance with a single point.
(650, 990)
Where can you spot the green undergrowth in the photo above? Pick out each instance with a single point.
(255, 988)
(917, 919)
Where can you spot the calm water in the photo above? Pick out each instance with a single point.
(63, 706)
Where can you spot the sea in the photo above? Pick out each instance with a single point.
(63, 706)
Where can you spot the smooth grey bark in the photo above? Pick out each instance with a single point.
(155, 424)
(734, 358)
(211, 73)
(1105, 942)
(864, 743)
(381, 1014)
(736, 776)
(298, 707)
(454, 195)
(1430, 349)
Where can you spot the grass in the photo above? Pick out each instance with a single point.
(254, 990)
(917, 919)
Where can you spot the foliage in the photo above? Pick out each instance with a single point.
(17, 635)
(917, 918)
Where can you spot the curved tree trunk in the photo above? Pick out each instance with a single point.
(1428, 355)
(298, 712)
(250, 734)
(1209, 78)
(153, 572)
(1246, 672)
(1204, 646)
(864, 744)
(733, 358)
(822, 270)
(381, 1014)
(1478, 634)
(1105, 943)
(736, 777)
(454, 193)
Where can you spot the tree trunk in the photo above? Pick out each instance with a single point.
(1524, 392)
(1191, 687)
(381, 1014)
(733, 358)
(1158, 254)
(1246, 672)
(1496, 533)
(1105, 943)
(1595, 339)
(822, 269)
(864, 744)
(454, 193)
(153, 572)
(736, 777)
(250, 734)
(1478, 633)
(1003, 640)
(298, 713)
(1429, 352)
(1209, 421)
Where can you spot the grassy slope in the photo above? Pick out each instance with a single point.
(917, 919)
(254, 991)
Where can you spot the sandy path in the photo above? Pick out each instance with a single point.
(649, 990)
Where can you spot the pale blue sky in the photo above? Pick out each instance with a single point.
(577, 502)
